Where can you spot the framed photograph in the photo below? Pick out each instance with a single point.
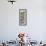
(22, 17)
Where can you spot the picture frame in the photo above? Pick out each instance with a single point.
(22, 17)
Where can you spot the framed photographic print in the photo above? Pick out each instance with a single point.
(22, 17)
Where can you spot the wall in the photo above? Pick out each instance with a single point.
(36, 19)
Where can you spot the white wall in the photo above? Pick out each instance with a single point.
(36, 19)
